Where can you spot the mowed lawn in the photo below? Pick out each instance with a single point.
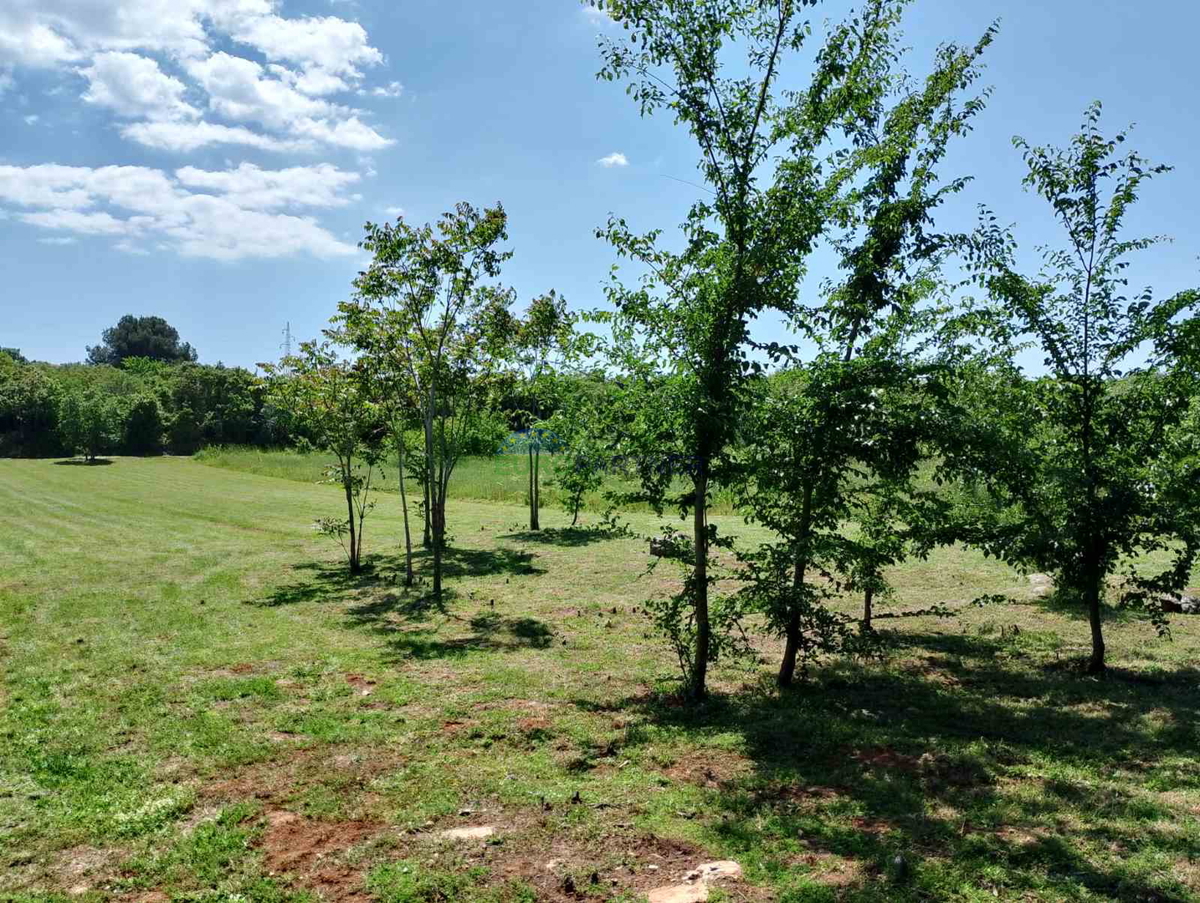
(198, 704)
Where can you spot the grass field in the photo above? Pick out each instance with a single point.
(198, 704)
(498, 478)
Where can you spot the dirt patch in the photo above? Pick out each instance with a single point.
(537, 725)
(884, 757)
(454, 727)
(707, 768)
(872, 825)
(308, 850)
(364, 685)
(79, 869)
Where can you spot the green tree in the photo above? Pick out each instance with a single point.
(89, 422)
(28, 411)
(147, 337)
(144, 426)
(329, 400)
(424, 302)
(1077, 466)
(580, 428)
(544, 342)
(780, 166)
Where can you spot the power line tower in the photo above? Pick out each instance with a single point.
(286, 345)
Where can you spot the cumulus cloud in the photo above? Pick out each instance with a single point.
(269, 189)
(188, 136)
(225, 215)
(135, 87)
(613, 159)
(120, 48)
(242, 90)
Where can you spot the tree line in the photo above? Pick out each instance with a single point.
(902, 421)
(898, 419)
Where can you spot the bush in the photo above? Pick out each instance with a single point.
(144, 427)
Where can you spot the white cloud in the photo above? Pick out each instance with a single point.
(239, 219)
(32, 119)
(613, 159)
(135, 87)
(392, 89)
(267, 189)
(188, 136)
(6, 80)
(118, 46)
(58, 240)
(241, 90)
(394, 211)
(317, 42)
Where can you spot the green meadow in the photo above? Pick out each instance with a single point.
(199, 704)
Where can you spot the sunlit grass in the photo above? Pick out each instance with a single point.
(193, 689)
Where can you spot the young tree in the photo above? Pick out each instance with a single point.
(326, 398)
(580, 428)
(443, 326)
(1077, 464)
(745, 247)
(544, 342)
(148, 337)
(89, 422)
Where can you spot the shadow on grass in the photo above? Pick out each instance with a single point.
(415, 626)
(965, 760)
(459, 562)
(327, 583)
(80, 462)
(567, 537)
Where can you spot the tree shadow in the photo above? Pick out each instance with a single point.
(327, 583)
(80, 462)
(566, 537)
(414, 626)
(459, 562)
(964, 755)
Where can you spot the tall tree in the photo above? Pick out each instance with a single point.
(778, 166)
(1076, 465)
(443, 323)
(148, 337)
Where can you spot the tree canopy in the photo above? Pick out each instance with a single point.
(143, 337)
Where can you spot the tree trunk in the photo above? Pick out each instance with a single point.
(535, 519)
(791, 649)
(439, 536)
(868, 598)
(353, 532)
(427, 536)
(532, 502)
(697, 688)
(1096, 664)
(408, 559)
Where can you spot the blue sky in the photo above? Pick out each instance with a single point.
(212, 161)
